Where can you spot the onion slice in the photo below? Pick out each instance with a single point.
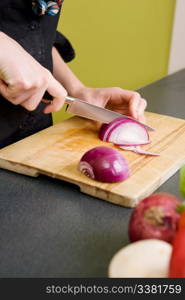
(137, 149)
(104, 164)
(124, 132)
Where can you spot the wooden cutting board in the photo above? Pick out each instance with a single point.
(57, 150)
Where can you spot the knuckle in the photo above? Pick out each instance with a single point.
(31, 107)
(44, 81)
(117, 89)
(13, 101)
(23, 84)
(41, 82)
(44, 78)
(136, 94)
(38, 84)
(47, 74)
(35, 85)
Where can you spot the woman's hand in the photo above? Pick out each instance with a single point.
(23, 80)
(122, 101)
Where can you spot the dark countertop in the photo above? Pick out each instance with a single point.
(48, 228)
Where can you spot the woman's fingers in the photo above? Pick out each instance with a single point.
(134, 105)
(141, 108)
(29, 97)
(23, 80)
(22, 97)
(133, 100)
(33, 101)
(56, 90)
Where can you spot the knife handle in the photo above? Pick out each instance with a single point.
(67, 99)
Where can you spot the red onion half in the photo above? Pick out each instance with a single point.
(104, 164)
(124, 132)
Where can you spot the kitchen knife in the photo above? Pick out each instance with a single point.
(90, 111)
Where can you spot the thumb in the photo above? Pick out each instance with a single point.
(58, 92)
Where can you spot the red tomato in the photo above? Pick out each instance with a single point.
(177, 261)
(181, 222)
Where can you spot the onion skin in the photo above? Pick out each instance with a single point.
(132, 145)
(138, 150)
(104, 164)
(109, 126)
(155, 217)
(107, 129)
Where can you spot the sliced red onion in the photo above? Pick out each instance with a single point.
(86, 169)
(104, 164)
(128, 145)
(125, 132)
(137, 149)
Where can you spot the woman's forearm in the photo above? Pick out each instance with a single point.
(64, 75)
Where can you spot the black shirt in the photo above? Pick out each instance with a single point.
(36, 35)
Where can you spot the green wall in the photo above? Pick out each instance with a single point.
(118, 42)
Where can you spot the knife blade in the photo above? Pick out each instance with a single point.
(90, 111)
